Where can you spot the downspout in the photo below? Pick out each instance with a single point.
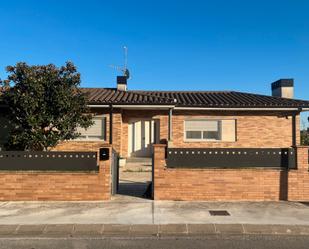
(111, 124)
(294, 130)
(294, 125)
(170, 125)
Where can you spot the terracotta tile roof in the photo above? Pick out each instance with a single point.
(207, 99)
(224, 99)
(113, 96)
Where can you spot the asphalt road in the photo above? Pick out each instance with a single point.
(220, 242)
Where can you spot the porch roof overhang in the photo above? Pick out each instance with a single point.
(243, 109)
(167, 107)
(144, 107)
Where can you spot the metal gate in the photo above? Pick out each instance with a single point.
(115, 172)
(152, 176)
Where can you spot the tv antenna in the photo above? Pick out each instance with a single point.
(124, 69)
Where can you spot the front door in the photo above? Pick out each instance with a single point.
(142, 134)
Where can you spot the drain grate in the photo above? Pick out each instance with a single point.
(219, 213)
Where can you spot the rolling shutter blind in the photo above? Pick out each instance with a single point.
(229, 130)
(221, 130)
(201, 125)
(96, 130)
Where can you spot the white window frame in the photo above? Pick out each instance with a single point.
(95, 138)
(202, 139)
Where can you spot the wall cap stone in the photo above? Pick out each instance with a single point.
(159, 145)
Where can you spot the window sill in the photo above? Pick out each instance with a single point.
(89, 140)
(206, 141)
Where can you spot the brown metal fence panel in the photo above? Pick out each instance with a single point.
(48, 161)
(231, 158)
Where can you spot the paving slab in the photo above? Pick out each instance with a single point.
(30, 229)
(304, 230)
(201, 229)
(7, 229)
(257, 229)
(285, 229)
(148, 229)
(88, 229)
(116, 229)
(170, 229)
(59, 230)
(229, 228)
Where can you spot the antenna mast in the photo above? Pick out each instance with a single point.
(125, 48)
(124, 69)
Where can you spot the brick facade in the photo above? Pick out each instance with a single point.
(230, 184)
(253, 129)
(56, 186)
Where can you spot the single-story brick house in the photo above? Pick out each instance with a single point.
(195, 119)
(132, 122)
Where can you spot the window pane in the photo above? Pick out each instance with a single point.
(194, 134)
(213, 135)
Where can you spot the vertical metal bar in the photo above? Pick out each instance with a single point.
(170, 123)
(117, 179)
(111, 125)
(112, 173)
(152, 176)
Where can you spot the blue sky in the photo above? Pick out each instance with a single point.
(194, 45)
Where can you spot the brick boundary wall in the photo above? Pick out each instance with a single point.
(56, 186)
(298, 189)
(257, 184)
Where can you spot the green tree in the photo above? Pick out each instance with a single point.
(45, 105)
(304, 134)
(304, 137)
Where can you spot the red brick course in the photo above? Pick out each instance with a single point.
(56, 186)
(230, 184)
(299, 179)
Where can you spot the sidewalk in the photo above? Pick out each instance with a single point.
(152, 218)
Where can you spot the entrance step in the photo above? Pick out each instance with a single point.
(144, 160)
(138, 164)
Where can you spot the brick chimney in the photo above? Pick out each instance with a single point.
(122, 83)
(283, 88)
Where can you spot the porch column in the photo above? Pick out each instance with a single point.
(170, 125)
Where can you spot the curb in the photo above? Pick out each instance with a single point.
(102, 230)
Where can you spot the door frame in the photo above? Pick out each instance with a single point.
(154, 132)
